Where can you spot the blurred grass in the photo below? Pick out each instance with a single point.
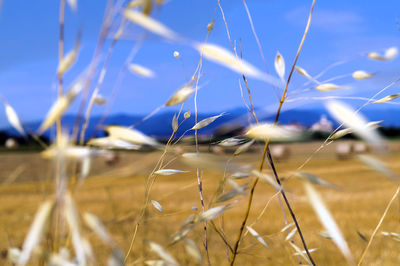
(115, 193)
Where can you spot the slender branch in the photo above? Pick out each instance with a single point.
(266, 150)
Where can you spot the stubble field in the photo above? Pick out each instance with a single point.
(116, 195)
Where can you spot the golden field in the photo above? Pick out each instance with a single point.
(116, 194)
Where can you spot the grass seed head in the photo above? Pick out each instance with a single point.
(327, 220)
(113, 143)
(210, 26)
(175, 123)
(212, 213)
(130, 135)
(181, 95)
(99, 100)
(94, 223)
(192, 249)
(267, 178)
(270, 131)
(169, 172)
(361, 75)
(313, 179)
(257, 236)
(227, 59)
(157, 205)
(36, 231)
(303, 72)
(205, 122)
(162, 253)
(355, 121)
(291, 234)
(13, 119)
(60, 106)
(327, 87)
(389, 54)
(244, 147)
(378, 166)
(388, 98)
(187, 114)
(73, 4)
(72, 218)
(141, 71)
(117, 258)
(157, 263)
(280, 66)
(149, 24)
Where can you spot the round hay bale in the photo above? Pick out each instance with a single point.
(344, 150)
(217, 149)
(280, 152)
(11, 143)
(361, 147)
(111, 158)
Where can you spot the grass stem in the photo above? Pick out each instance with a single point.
(266, 150)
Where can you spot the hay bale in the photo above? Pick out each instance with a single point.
(280, 152)
(217, 150)
(11, 143)
(111, 158)
(361, 147)
(344, 151)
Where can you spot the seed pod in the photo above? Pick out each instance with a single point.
(280, 66)
(149, 24)
(257, 236)
(360, 75)
(210, 26)
(141, 71)
(187, 114)
(206, 122)
(181, 95)
(13, 119)
(227, 59)
(327, 87)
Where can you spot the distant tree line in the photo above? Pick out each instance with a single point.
(390, 132)
(24, 142)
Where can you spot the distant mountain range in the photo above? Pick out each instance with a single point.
(160, 124)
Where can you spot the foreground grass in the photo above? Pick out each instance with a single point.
(115, 194)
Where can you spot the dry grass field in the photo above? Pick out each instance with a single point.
(107, 191)
(116, 193)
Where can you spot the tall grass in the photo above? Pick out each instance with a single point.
(60, 230)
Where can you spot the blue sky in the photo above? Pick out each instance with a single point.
(340, 29)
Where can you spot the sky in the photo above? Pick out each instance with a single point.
(340, 30)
